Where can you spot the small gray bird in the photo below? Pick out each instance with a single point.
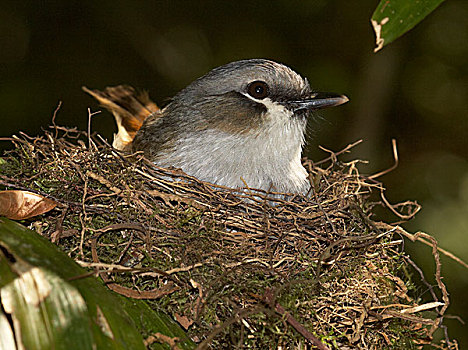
(241, 124)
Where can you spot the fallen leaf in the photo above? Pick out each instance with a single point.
(184, 321)
(19, 205)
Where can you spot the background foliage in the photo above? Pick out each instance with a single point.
(414, 90)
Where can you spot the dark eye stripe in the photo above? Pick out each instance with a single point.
(258, 89)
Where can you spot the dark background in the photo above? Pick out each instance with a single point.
(414, 90)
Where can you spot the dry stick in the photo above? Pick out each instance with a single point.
(11, 139)
(53, 118)
(393, 167)
(183, 269)
(394, 211)
(83, 220)
(219, 328)
(334, 154)
(382, 190)
(415, 237)
(116, 268)
(300, 328)
(103, 181)
(366, 240)
(55, 236)
(435, 248)
(430, 288)
(123, 226)
(126, 248)
(438, 277)
(434, 297)
(280, 310)
(31, 138)
(82, 234)
(90, 115)
(330, 222)
(440, 284)
(84, 275)
(68, 132)
(155, 293)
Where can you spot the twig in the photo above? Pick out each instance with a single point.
(417, 237)
(394, 211)
(90, 115)
(54, 116)
(393, 167)
(335, 154)
(235, 318)
(280, 310)
(440, 284)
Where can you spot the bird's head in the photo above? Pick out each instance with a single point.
(249, 96)
(242, 123)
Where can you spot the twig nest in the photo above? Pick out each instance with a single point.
(232, 266)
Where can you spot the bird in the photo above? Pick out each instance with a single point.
(241, 125)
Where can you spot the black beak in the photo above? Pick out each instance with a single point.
(318, 100)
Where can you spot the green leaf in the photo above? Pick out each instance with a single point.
(51, 313)
(393, 18)
(43, 307)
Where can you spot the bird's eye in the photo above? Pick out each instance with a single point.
(258, 89)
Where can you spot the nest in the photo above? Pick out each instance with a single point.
(236, 268)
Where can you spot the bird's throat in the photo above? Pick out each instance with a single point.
(268, 160)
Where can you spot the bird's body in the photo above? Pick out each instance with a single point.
(263, 159)
(242, 124)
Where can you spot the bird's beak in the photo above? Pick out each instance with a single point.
(318, 100)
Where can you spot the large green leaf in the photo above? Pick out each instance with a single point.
(43, 309)
(393, 18)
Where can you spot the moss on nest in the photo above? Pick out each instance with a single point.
(235, 268)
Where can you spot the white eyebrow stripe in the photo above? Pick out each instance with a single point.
(267, 102)
(272, 106)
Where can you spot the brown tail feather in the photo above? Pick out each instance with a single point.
(129, 108)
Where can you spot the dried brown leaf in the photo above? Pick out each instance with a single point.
(184, 321)
(19, 205)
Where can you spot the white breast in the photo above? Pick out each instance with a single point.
(268, 158)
